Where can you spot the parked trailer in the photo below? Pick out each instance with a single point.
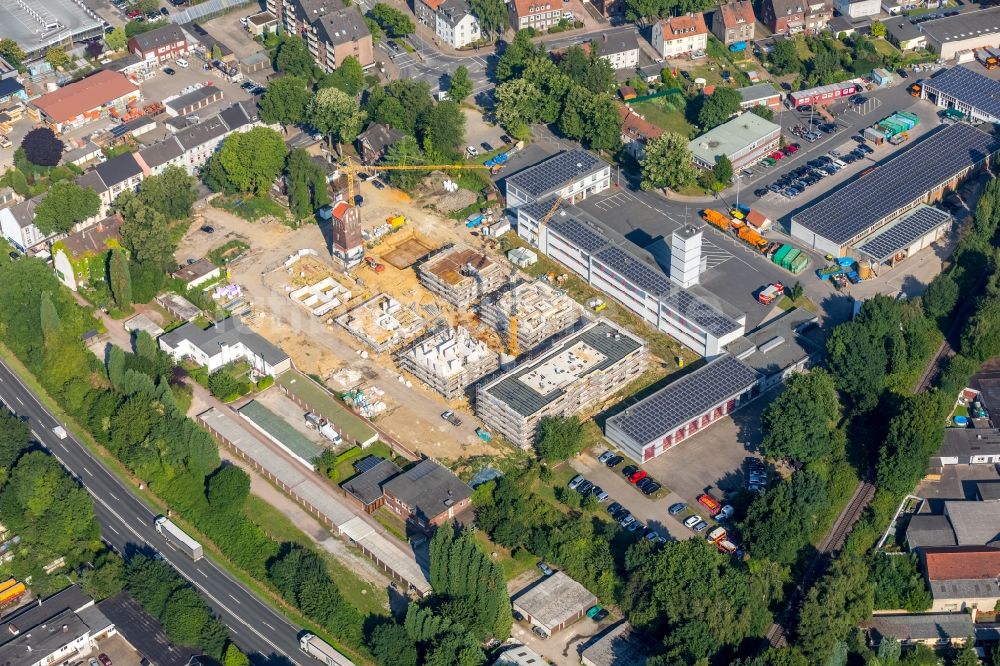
(179, 538)
(322, 651)
(12, 594)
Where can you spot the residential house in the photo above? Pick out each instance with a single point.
(426, 11)
(197, 273)
(332, 29)
(456, 24)
(427, 495)
(856, 9)
(619, 47)
(962, 578)
(54, 630)
(81, 254)
(794, 16)
(537, 14)
(225, 342)
(17, 224)
(160, 44)
(111, 178)
(636, 131)
(761, 94)
(86, 151)
(935, 630)
(734, 22)
(375, 141)
(365, 488)
(75, 104)
(680, 36)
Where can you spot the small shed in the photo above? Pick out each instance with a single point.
(627, 93)
(553, 602)
(882, 77)
(758, 220)
(522, 257)
(141, 322)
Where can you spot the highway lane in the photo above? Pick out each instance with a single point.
(126, 522)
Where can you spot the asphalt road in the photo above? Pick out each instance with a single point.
(127, 523)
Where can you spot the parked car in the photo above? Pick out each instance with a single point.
(637, 477)
(676, 508)
(626, 519)
(725, 512)
(378, 184)
(629, 470)
(208, 229)
(517, 616)
(805, 108)
(700, 527)
(650, 488)
(472, 151)
(691, 521)
(614, 461)
(545, 569)
(486, 146)
(104, 659)
(584, 488)
(597, 613)
(635, 526)
(599, 493)
(760, 191)
(450, 417)
(777, 156)
(615, 509)
(575, 481)
(605, 457)
(169, 71)
(866, 149)
(165, 12)
(538, 631)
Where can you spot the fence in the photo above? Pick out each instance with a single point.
(661, 93)
(207, 9)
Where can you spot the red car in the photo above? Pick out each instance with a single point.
(790, 150)
(778, 155)
(104, 659)
(133, 13)
(637, 477)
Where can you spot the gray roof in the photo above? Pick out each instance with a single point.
(554, 599)
(88, 148)
(367, 486)
(777, 344)
(229, 332)
(980, 92)
(206, 40)
(239, 115)
(195, 271)
(161, 152)
(380, 136)
(758, 91)
(975, 523)
(154, 39)
(118, 169)
(343, 26)
(731, 137)
(453, 11)
(202, 133)
(615, 648)
(43, 627)
(901, 181)
(964, 442)
(123, 63)
(520, 655)
(557, 172)
(900, 29)
(193, 97)
(428, 489)
(613, 342)
(984, 24)
(144, 632)
(988, 490)
(684, 399)
(920, 626)
(898, 235)
(928, 530)
(621, 40)
(964, 588)
(24, 212)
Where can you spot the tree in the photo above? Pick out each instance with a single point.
(781, 520)
(393, 21)
(228, 489)
(552, 83)
(719, 107)
(604, 125)
(723, 170)
(899, 583)
(252, 160)
(667, 163)
(400, 104)
(234, 657)
(966, 654)
(392, 646)
(559, 438)
(835, 604)
(857, 362)
(574, 117)
(171, 193)
(285, 101)
(119, 279)
(49, 322)
(914, 435)
(442, 128)
(305, 180)
(785, 58)
(517, 55)
(800, 424)
(293, 58)
(42, 147)
(493, 16)
(116, 39)
(403, 152)
(11, 51)
(337, 114)
(106, 578)
(66, 205)
(222, 384)
(516, 106)
(765, 112)
(144, 231)
(57, 57)
(941, 296)
(878, 29)
(348, 77)
(460, 86)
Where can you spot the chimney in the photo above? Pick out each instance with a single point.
(13, 629)
(65, 628)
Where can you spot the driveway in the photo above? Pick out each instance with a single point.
(562, 649)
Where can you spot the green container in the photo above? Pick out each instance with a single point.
(800, 263)
(912, 116)
(780, 255)
(789, 258)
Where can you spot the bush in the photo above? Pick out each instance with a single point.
(265, 382)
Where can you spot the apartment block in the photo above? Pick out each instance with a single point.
(542, 312)
(449, 361)
(461, 276)
(332, 29)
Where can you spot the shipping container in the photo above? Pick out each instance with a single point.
(179, 538)
(790, 257)
(322, 651)
(800, 263)
(7, 584)
(779, 256)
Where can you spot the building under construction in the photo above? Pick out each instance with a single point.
(382, 322)
(449, 361)
(461, 276)
(541, 311)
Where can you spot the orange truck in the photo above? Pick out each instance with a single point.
(717, 219)
(752, 238)
(713, 505)
(716, 534)
(12, 593)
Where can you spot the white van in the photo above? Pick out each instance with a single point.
(181, 62)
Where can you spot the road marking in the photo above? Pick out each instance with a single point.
(111, 527)
(235, 599)
(112, 496)
(88, 471)
(267, 625)
(203, 573)
(18, 400)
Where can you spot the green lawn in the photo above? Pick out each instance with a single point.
(514, 563)
(345, 469)
(665, 116)
(884, 48)
(391, 523)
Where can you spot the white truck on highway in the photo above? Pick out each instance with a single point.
(323, 651)
(179, 538)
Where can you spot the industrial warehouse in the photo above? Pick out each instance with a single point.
(965, 90)
(922, 174)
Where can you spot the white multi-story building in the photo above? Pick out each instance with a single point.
(679, 36)
(226, 342)
(455, 23)
(17, 223)
(858, 8)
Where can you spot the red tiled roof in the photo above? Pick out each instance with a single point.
(733, 12)
(683, 26)
(529, 7)
(85, 95)
(433, 4)
(339, 209)
(636, 127)
(962, 563)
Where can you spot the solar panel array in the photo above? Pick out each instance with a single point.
(578, 233)
(556, 172)
(898, 183)
(635, 271)
(922, 221)
(537, 209)
(701, 313)
(367, 463)
(980, 92)
(685, 399)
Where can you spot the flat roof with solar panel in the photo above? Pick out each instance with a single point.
(964, 85)
(557, 172)
(902, 181)
(698, 310)
(578, 232)
(903, 232)
(635, 270)
(678, 403)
